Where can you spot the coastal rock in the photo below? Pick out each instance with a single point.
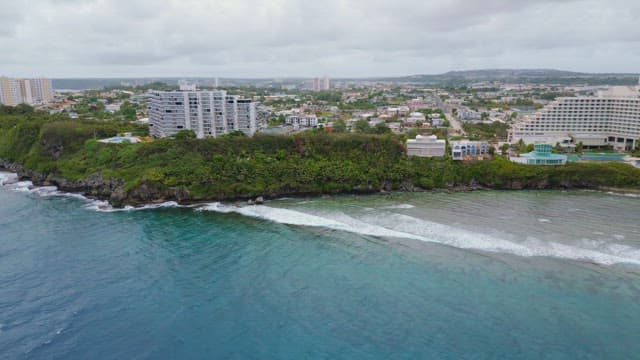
(259, 200)
(117, 197)
(408, 186)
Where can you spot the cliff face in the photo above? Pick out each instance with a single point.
(113, 190)
(93, 186)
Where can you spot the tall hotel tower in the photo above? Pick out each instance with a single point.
(610, 118)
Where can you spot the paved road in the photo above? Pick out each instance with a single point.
(455, 125)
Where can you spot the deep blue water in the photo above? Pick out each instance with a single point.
(183, 284)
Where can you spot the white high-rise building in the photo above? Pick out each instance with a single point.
(321, 84)
(28, 91)
(315, 86)
(9, 91)
(326, 83)
(207, 113)
(610, 118)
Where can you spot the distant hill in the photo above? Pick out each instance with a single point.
(101, 83)
(520, 76)
(451, 78)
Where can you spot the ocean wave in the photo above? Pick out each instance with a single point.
(403, 226)
(401, 206)
(292, 217)
(105, 206)
(531, 247)
(92, 204)
(42, 191)
(7, 178)
(631, 195)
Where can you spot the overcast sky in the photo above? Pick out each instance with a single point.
(340, 38)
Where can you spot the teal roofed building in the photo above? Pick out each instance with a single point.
(542, 155)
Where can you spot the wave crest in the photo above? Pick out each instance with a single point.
(396, 225)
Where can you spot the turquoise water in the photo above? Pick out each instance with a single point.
(483, 275)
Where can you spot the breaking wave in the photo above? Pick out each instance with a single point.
(104, 206)
(388, 224)
(400, 207)
(7, 178)
(377, 223)
(10, 180)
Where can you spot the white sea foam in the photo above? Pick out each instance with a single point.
(217, 207)
(21, 186)
(464, 239)
(292, 217)
(104, 206)
(631, 195)
(7, 178)
(544, 220)
(403, 226)
(42, 191)
(95, 205)
(401, 206)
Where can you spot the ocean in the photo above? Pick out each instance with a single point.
(481, 275)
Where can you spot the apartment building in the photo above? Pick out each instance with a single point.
(612, 117)
(321, 84)
(28, 91)
(302, 120)
(207, 113)
(9, 91)
(463, 149)
(426, 146)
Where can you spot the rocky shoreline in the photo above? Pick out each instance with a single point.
(113, 191)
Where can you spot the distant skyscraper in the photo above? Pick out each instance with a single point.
(207, 113)
(320, 84)
(326, 85)
(28, 91)
(9, 91)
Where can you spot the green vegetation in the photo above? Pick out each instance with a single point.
(492, 104)
(339, 126)
(491, 132)
(185, 134)
(229, 167)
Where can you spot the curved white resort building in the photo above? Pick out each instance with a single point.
(610, 118)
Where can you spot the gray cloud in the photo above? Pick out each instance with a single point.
(249, 38)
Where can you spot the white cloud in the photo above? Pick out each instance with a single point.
(250, 38)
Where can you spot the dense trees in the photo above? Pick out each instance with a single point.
(362, 126)
(185, 134)
(238, 166)
(494, 131)
(339, 126)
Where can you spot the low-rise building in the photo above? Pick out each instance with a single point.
(464, 149)
(469, 115)
(541, 156)
(112, 108)
(302, 120)
(416, 117)
(426, 146)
